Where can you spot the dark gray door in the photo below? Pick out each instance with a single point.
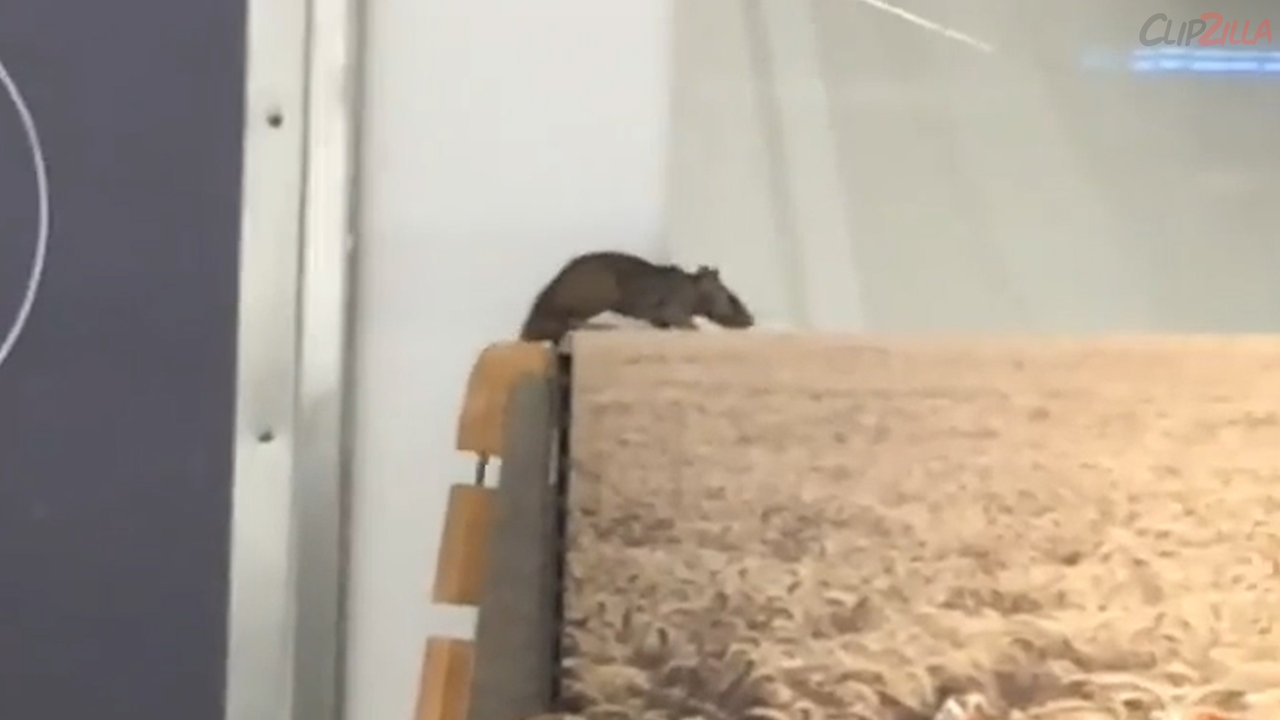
(116, 403)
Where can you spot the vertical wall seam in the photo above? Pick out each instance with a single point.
(764, 80)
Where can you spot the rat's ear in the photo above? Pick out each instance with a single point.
(707, 271)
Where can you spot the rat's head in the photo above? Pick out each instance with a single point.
(717, 303)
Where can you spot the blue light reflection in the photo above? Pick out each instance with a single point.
(1181, 60)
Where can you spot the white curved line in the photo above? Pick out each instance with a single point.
(42, 227)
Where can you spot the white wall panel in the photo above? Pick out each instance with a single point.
(722, 205)
(808, 163)
(1002, 185)
(500, 137)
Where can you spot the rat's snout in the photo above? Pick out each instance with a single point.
(740, 317)
(720, 305)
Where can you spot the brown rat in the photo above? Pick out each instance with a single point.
(665, 296)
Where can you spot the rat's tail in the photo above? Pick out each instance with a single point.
(543, 324)
(544, 328)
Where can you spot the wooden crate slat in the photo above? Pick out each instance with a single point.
(464, 548)
(444, 688)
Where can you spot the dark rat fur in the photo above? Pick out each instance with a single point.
(665, 296)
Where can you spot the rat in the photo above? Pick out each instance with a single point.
(665, 296)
